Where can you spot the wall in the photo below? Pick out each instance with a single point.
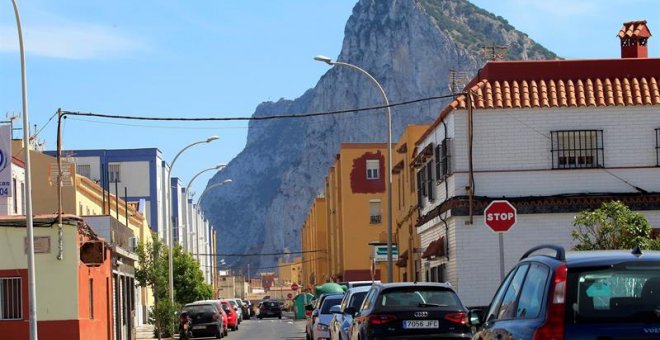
(98, 326)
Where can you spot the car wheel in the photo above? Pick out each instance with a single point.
(218, 333)
(279, 316)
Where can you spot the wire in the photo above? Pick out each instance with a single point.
(266, 254)
(49, 120)
(165, 127)
(270, 117)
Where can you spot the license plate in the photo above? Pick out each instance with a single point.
(420, 324)
(199, 327)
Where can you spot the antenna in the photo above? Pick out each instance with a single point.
(494, 52)
(457, 81)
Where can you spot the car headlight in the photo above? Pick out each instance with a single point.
(322, 328)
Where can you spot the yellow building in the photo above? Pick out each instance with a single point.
(356, 201)
(117, 221)
(404, 203)
(314, 240)
(289, 269)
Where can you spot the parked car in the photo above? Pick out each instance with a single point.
(321, 325)
(410, 310)
(342, 319)
(313, 310)
(206, 319)
(223, 314)
(250, 309)
(269, 308)
(576, 295)
(354, 284)
(245, 309)
(237, 307)
(232, 315)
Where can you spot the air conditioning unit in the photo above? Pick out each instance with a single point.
(132, 243)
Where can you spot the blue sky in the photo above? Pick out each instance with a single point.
(209, 58)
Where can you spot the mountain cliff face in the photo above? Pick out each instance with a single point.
(409, 46)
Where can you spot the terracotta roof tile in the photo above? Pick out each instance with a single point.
(636, 29)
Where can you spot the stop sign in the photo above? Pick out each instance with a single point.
(500, 216)
(294, 286)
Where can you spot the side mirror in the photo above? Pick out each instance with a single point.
(475, 316)
(350, 311)
(315, 313)
(336, 309)
(309, 308)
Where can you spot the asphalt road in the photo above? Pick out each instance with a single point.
(268, 329)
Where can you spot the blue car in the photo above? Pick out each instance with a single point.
(343, 317)
(576, 295)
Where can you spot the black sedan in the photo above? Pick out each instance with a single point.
(409, 310)
(269, 308)
(206, 319)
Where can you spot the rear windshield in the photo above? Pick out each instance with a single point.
(415, 297)
(199, 309)
(356, 300)
(328, 303)
(623, 293)
(270, 304)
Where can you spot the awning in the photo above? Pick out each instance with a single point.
(403, 259)
(435, 249)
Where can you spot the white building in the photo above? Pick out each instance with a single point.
(14, 204)
(553, 138)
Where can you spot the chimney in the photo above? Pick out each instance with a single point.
(634, 37)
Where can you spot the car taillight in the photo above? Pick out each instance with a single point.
(379, 319)
(215, 317)
(459, 317)
(553, 328)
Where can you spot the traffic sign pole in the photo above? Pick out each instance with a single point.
(501, 237)
(500, 216)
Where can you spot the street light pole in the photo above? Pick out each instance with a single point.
(29, 225)
(214, 185)
(217, 167)
(330, 62)
(168, 207)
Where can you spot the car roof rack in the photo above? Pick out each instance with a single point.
(560, 252)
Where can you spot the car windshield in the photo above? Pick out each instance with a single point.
(416, 297)
(356, 300)
(623, 293)
(329, 302)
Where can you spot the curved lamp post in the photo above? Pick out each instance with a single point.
(214, 185)
(330, 62)
(168, 206)
(32, 290)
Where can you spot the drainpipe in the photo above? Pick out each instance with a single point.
(60, 234)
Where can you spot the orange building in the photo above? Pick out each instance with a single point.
(289, 269)
(74, 297)
(314, 242)
(404, 203)
(356, 200)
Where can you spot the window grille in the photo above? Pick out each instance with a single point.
(84, 170)
(372, 169)
(114, 173)
(442, 159)
(657, 147)
(375, 212)
(576, 149)
(11, 302)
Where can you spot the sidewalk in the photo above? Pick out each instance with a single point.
(145, 332)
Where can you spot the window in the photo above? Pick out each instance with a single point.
(84, 170)
(531, 296)
(372, 169)
(507, 308)
(577, 149)
(442, 159)
(657, 147)
(113, 172)
(374, 212)
(91, 298)
(11, 303)
(420, 189)
(429, 180)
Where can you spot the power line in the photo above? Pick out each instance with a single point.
(270, 117)
(266, 254)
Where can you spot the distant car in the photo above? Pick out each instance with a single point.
(232, 315)
(269, 308)
(343, 318)
(321, 326)
(225, 324)
(410, 310)
(576, 295)
(248, 306)
(237, 307)
(206, 319)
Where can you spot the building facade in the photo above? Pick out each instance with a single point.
(315, 245)
(551, 137)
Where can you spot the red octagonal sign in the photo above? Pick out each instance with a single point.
(500, 216)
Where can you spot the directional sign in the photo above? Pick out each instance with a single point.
(500, 216)
(380, 253)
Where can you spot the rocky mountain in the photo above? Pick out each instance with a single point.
(410, 46)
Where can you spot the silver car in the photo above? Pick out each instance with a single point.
(343, 317)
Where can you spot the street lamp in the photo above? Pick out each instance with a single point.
(330, 62)
(32, 290)
(214, 185)
(168, 208)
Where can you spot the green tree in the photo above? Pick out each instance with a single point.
(612, 226)
(152, 273)
(189, 282)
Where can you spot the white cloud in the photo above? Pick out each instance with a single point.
(81, 41)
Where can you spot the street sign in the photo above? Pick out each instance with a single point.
(294, 286)
(289, 296)
(500, 216)
(380, 253)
